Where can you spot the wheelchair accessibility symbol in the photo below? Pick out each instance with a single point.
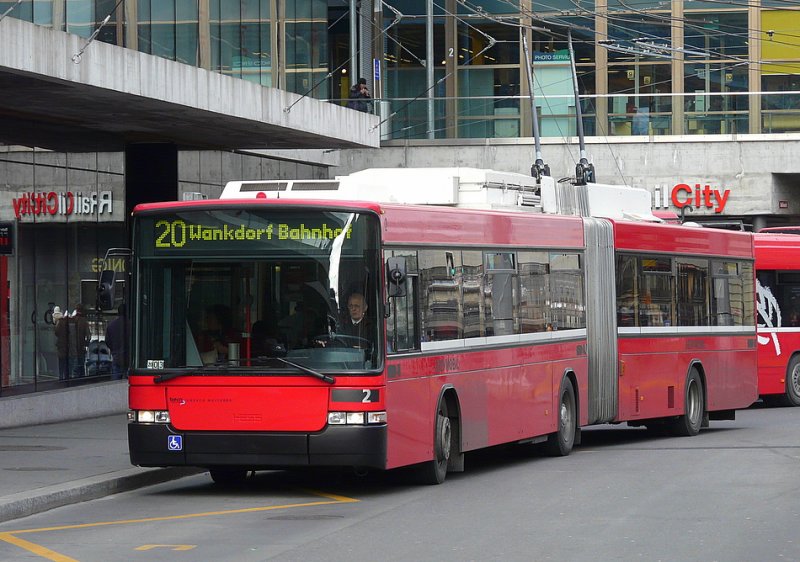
(175, 443)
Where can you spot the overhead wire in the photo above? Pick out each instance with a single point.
(621, 20)
(76, 58)
(735, 61)
(398, 17)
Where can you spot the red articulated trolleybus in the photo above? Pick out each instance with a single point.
(778, 304)
(497, 309)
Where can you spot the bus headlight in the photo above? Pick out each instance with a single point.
(376, 417)
(356, 418)
(148, 416)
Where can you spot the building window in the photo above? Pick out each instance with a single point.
(307, 47)
(169, 29)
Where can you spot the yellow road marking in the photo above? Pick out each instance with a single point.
(176, 517)
(35, 548)
(337, 499)
(56, 557)
(169, 546)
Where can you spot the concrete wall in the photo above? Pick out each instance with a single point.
(207, 172)
(87, 401)
(748, 166)
(110, 95)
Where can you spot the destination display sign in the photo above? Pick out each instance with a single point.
(225, 231)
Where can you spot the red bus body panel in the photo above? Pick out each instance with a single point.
(653, 367)
(449, 226)
(653, 373)
(269, 403)
(505, 395)
(673, 239)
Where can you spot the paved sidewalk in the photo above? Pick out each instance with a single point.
(47, 466)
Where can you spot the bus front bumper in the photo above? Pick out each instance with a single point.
(163, 445)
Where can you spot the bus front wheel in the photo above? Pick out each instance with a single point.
(435, 470)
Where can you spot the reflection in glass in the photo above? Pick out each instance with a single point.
(240, 39)
(307, 47)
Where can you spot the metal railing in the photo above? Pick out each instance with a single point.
(623, 115)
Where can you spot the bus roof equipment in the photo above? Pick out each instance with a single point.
(474, 188)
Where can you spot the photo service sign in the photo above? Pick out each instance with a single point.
(6, 238)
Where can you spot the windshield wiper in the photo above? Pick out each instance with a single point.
(327, 378)
(219, 366)
(223, 367)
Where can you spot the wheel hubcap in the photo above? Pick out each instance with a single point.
(794, 380)
(443, 453)
(693, 403)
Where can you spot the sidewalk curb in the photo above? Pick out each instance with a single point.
(32, 502)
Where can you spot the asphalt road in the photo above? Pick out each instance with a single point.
(730, 493)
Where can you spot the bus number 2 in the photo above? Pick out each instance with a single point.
(367, 394)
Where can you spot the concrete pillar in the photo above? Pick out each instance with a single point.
(58, 15)
(151, 173)
(131, 17)
(678, 101)
(602, 126)
(204, 34)
(759, 222)
(754, 70)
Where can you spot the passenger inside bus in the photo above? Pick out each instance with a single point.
(216, 334)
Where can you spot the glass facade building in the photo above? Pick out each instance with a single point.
(60, 214)
(685, 67)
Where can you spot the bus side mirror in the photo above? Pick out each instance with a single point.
(105, 290)
(396, 277)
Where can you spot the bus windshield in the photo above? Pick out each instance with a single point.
(241, 290)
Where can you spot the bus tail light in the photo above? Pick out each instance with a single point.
(356, 418)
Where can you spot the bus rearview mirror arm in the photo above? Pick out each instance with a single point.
(395, 280)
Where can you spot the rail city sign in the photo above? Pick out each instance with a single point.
(65, 203)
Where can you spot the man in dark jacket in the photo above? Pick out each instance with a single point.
(359, 94)
(358, 325)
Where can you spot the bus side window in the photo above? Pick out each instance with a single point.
(402, 326)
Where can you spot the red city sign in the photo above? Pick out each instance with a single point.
(683, 195)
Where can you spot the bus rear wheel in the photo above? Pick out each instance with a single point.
(560, 443)
(435, 470)
(793, 382)
(694, 408)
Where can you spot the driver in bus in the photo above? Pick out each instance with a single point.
(358, 324)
